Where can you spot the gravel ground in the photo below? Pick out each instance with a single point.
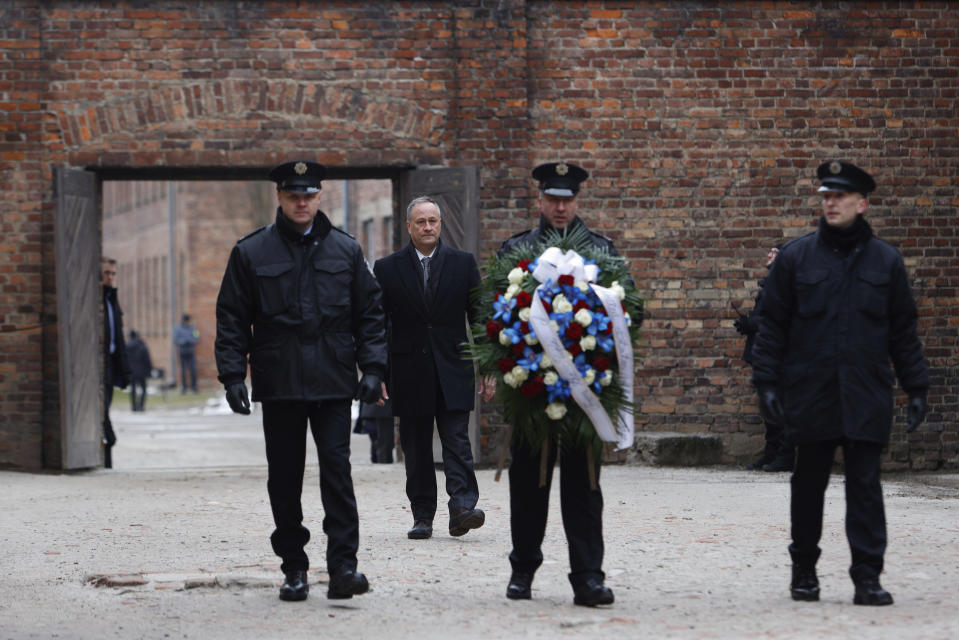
(173, 543)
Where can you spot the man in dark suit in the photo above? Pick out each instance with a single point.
(427, 297)
(116, 367)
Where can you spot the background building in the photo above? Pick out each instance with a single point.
(701, 125)
(171, 241)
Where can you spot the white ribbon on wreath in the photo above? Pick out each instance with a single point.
(553, 263)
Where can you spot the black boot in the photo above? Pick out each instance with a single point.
(870, 592)
(805, 584)
(296, 586)
(592, 593)
(346, 583)
(783, 461)
(520, 586)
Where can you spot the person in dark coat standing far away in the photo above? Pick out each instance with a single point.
(582, 506)
(427, 297)
(138, 356)
(778, 453)
(837, 310)
(300, 301)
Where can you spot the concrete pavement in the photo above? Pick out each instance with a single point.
(173, 543)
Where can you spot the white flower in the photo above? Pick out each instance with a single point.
(530, 339)
(555, 410)
(519, 374)
(551, 378)
(504, 339)
(524, 314)
(545, 362)
(589, 376)
(561, 304)
(512, 290)
(618, 290)
(516, 276)
(554, 325)
(583, 317)
(510, 379)
(582, 285)
(605, 379)
(587, 343)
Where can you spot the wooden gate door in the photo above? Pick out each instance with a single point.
(77, 245)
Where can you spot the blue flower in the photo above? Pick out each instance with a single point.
(530, 360)
(605, 342)
(504, 308)
(599, 323)
(558, 391)
(515, 333)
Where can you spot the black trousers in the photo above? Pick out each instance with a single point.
(582, 510)
(865, 514)
(109, 436)
(284, 428)
(138, 394)
(416, 437)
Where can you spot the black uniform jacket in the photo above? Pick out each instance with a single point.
(426, 339)
(306, 310)
(535, 235)
(831, 325)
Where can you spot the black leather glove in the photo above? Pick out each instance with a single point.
(771, 406)
(369, 390)
(237, 398)
(915, 412)
(740, 325)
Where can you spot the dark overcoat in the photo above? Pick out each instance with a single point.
(832, 323)
(305, 309)
(426, 339)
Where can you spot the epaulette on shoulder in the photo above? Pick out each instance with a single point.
(345, 233)
(251, 234)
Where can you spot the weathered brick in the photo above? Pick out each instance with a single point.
(701, 125)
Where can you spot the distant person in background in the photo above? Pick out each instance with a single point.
(185, 336)
(140, 367)
(116, 369)
(377, 422)
(779, 453)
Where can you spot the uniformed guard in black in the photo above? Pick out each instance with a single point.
(837, 309)
(582, 507)
(299, 300)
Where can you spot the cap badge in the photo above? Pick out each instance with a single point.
(299, 168)
(562, 169)
(835, 168)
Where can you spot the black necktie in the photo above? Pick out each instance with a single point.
(426, 276)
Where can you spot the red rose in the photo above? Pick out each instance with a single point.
(518, 348)
(546, 305)
(493, 327)
(566, 279)
(523, 264)
(532, 388)
(523, 299)
(574, 331)
(609, 328)
(505, 365)
(524, 327)
(582, 304)
(574, 349)
(601, 363)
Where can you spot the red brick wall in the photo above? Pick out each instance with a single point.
(701, 125)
